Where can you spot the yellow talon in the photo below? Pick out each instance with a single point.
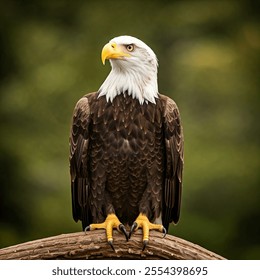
(143, 222)
(109, 224)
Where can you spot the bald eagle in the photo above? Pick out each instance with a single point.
(126, 147)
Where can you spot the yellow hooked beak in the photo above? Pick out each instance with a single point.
(112, 51)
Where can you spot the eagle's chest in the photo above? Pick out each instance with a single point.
(125, 127)
(126, 151)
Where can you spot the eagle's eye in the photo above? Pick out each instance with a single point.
(130, 47)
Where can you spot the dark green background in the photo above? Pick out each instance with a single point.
(209, 64)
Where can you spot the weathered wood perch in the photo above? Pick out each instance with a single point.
(93, 245)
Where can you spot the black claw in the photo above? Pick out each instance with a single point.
(123, 229)
(164, 232)
(133, 228)
(87, 229)
(145, 242)
(110, 242)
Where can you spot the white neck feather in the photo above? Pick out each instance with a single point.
(137, 79)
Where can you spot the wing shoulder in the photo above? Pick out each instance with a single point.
(79, 136)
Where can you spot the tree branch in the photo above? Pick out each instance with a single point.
(93, 245)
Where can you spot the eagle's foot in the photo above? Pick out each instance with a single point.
(109, 224)
(143, 222)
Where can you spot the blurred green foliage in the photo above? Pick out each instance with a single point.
(209, 57)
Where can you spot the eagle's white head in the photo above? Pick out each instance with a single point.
(134, 70)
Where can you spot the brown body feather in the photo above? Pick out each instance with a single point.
(126, 158)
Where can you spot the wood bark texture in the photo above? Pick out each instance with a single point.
(93, 245)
